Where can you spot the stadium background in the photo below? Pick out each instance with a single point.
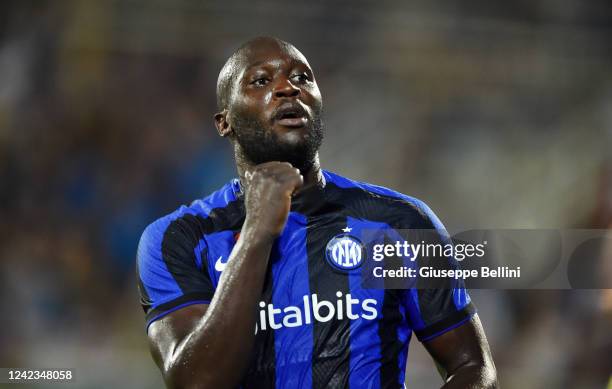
(497, 114)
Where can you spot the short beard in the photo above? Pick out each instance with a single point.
(259, 145)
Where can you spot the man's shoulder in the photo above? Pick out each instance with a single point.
(187, 215)
(375, 192)
(384, 198)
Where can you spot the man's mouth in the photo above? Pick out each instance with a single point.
(291, 115)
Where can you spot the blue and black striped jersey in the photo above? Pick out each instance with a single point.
(317, 326)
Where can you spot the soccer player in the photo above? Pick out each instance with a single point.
(244, 288)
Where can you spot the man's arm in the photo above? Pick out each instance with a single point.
(464, 357)
(209, 346)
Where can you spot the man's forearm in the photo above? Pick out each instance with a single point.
(216, 353)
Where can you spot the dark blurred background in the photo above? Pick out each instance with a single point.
(497, 114)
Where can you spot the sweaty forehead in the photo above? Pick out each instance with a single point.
(269, 52)
(257, 52)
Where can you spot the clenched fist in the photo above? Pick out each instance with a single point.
(269, 187)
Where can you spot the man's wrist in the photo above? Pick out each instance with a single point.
(254, 232)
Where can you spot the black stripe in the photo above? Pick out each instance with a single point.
(178, 253)
(230, 217)
(451, 320)
(435, 294)
(331, 340)
(390, 345)
(182, 237)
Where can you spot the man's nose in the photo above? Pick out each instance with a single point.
(284, 88)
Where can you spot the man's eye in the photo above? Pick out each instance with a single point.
(303, 77)
(260, 81)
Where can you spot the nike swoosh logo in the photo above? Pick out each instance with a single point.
(220, 266)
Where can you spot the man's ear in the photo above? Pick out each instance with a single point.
(223, 126)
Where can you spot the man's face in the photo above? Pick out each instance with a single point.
(275, 107)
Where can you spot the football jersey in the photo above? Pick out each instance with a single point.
(317, 326)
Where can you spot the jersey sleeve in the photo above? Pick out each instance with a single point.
(435, 307)
(170, 274)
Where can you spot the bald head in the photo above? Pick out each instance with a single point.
(270, 105)
(241, 59)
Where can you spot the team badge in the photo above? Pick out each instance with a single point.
(344, 251)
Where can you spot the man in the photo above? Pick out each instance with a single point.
(239, 289)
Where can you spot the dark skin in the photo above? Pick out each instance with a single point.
(191, 346)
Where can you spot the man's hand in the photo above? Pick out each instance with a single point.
(269, 187)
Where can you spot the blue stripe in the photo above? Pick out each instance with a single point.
(290, 278)
(197, 251)
(461, 298)
(220, 245)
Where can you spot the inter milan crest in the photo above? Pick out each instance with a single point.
(344, 251)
